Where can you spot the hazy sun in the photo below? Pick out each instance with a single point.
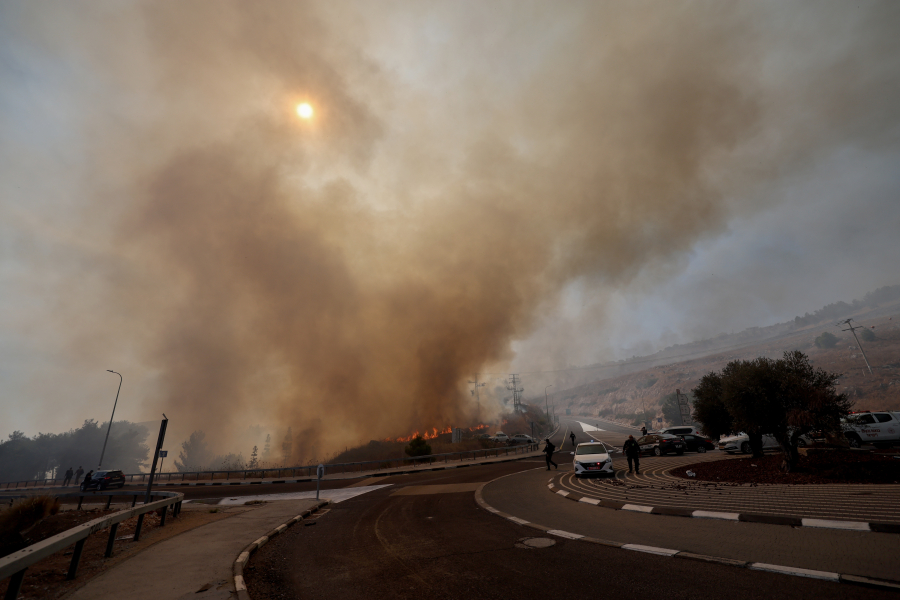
(304, 110)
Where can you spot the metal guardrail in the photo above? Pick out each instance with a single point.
(308, 471)
(15, 564)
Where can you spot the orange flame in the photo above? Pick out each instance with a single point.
(430, 435)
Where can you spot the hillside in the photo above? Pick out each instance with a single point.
(633, 391)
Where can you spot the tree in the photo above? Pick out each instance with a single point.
(195, 453)
(254, 460)
(267, 450)
(418, 447)
(826, 340)
(287, 447)
(868, 335)
(785, 398)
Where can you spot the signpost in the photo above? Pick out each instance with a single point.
(684, 407)
(320, 473)
(162, 454)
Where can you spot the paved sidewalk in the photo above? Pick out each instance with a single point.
(179, 567)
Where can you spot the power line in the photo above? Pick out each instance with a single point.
(852, 330)
(513, 386)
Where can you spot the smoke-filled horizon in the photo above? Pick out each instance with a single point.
(478, 183)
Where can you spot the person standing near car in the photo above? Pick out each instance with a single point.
(548, 450)
(68, 477)
(644, 430)
(87, 479)
(78, 474)
(632, 453)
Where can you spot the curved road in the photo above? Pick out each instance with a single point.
(425, 536)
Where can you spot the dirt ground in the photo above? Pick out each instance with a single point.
(824, 466)
(47, 578)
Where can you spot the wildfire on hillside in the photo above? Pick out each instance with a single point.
(430, 435)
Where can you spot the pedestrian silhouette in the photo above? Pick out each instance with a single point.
(548, 449)
(68, 477)
(78, 474)
(632, 453)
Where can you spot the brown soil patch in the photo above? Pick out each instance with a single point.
(819, 467)
(47, 578)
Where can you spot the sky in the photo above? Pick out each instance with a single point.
(483, 187)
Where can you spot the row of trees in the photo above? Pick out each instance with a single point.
(49, 454)
(785, 398)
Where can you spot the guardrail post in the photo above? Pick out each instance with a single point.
(15, 584)
(133, 501)
(137, 530)
(162, 517)
(111, 540)
(76, 556)
(108, 501)
(80, 500)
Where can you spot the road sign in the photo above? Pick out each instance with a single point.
(320, 473)
(684, 407)
(163, 453)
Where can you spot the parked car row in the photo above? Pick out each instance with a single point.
(502, 438)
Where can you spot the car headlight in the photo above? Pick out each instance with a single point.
(608, 459)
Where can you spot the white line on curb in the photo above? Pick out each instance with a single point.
(562, 493)
(593, 501)
(826, 524)
(239, 585)
(637, 508)
(795, 571)
(518, 520)
(650, 549)
(243, 558)
(565, 534)
(709, 514)
(259, 543)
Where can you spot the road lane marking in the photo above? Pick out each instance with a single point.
(565, 534)
(637, 508)
(709, 514)
(650, 549)
(588, 428)
(795, 571)
(562, 493)
(594, 501)
(826, 524)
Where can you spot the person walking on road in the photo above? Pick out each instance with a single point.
(632, 453)
(644, 430)
(572, 435)
(548, 449)
(78, 474)
(87, 479)
(68, 477)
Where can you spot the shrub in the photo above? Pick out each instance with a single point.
(826, 340)
(418, 447)
(868, 335)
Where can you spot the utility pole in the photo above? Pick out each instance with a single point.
(513, 385)
(852, 329)
(547, 402)
(476, 394)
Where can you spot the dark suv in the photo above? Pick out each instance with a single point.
(661, 443)
(104, 480)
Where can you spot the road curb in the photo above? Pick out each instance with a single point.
(728, 516)
(881, 584)
(244, 557)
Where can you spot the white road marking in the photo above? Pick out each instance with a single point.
(518, 520)
(565, 534)
(338, 495)
(709, 514)
(795, 571)
(562, 493)
(637, 508)
(593, 501)
(650, 549)
(587, 428)
(826, 524)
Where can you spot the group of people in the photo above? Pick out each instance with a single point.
(78, 474)
(631, 449)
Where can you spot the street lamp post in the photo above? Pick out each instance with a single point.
(547, 402)
(102, 452)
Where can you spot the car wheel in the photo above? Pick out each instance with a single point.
(854, 440)
(657, 451)
(745, 447)
(701, 449)
(801, 443)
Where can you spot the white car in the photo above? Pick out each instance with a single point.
(681, 430)
(741, 443)
(499, 437)
(523, 438)
(592, 458)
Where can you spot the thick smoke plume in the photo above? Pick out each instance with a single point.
(345, 276)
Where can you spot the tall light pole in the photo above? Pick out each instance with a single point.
(102, 452)
(547, 402)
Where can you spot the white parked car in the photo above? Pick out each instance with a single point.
(872, 427)
(592, 458)
(681, 430)
(741, 443)
(521, 438)
(499, 437)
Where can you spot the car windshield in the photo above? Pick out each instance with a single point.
(590, 449)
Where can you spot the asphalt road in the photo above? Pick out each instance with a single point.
(426, 537)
